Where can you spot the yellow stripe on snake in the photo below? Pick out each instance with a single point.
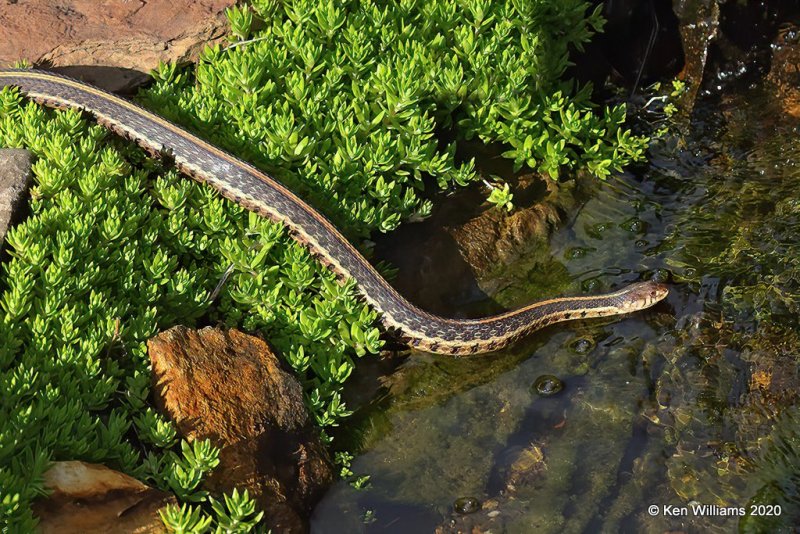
(256, 191)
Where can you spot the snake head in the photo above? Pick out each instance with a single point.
(643, 295)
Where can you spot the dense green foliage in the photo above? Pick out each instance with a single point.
(346, 102)
(342, 101)
(115, 249)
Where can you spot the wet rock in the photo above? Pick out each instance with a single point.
(729, 43)
(784, 74)
(747, 30)
(15, 177)
(706, 463)
(774, 383)
(505, 512)
(228, 386)
(125, 38)
(496, 237)
(743, 45)
(784, 69)
(525, 469)
(466, 505)
(582, 345)
(493, 242)
(484, 520)
(699, 21)
(456, 261)
(91, 498)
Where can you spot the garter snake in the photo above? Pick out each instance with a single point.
(256, 191)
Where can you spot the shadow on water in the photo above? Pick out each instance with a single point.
(694, 402)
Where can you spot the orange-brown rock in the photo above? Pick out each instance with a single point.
(111, 43)
(91, 498)
(784, 73)
(496, 237)
(699, 21)
(230, 387)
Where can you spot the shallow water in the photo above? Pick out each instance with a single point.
(691, 401)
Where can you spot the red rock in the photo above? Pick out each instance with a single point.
(230, 387)
(110, 43)
(91, 498)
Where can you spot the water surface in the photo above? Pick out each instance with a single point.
(690, 402)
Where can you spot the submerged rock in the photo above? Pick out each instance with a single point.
(527, 466)
(114, 46)
(15, 177)
(229, 387)
(495, 237)
(506, 512)
(582, 345)
(91, 498)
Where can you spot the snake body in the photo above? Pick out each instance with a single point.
(256, 191)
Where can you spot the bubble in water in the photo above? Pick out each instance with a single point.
(634, 225)
(661, 275)
(466, 505)
(591, 285)
(576, 252)
(596, 231)
(582, 345)
(547, 385)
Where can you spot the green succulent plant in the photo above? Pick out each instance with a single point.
(345, 102)
(116, 248)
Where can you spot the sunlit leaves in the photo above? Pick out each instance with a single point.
(502, 197)
(347, 96)
(116, 248)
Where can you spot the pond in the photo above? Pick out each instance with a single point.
(690, 403)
